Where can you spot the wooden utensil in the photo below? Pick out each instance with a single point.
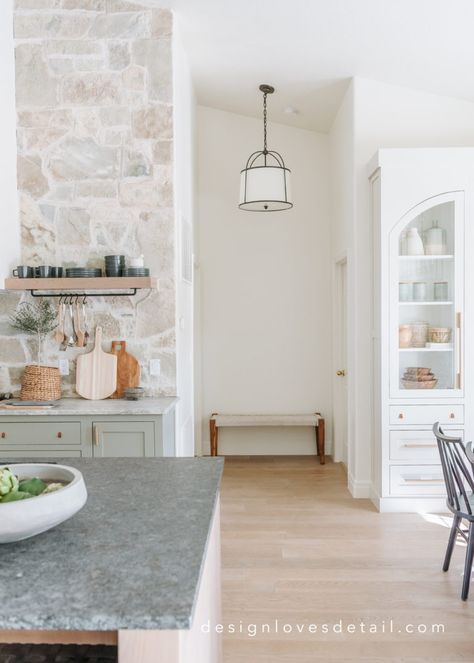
(80, 337)
(128, 369)
(96, 372)
(59, 333)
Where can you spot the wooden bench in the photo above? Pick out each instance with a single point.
(314, 420)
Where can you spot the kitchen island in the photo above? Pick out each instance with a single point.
(139, 566)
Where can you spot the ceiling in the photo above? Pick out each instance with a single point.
(309, 50)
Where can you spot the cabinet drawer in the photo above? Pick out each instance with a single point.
(13, 454)
(426, 415)
(411, 480)
(40, 433)
(417, 445)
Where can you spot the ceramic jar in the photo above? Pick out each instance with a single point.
(404, 336)
(440, 291)
(419, 334)
(405, 291)
(414, 243)
(419, 291)
(435, 241)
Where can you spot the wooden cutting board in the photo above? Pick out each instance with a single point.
(128, 369)
(96, 372)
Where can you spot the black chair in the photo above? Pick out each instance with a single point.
(458, 477)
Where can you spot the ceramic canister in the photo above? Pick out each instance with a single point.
(405, 291)
(414, 243)
(440, 290)
(419, 291)
(419, 331)
(435, 244)
(404, 336)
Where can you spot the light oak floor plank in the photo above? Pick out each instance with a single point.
(297, 548)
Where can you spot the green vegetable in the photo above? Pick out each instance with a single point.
(17, 495)
(8, 483)
(33, 486)
(50, 488)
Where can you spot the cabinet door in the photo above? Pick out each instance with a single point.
(133, 439)
(427, 300)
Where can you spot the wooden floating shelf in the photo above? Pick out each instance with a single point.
(68, 284)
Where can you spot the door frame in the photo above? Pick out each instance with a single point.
(340, 262)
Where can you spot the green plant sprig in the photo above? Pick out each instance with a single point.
(35, 318)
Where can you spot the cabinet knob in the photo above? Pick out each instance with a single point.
(4, 434)
(341, 373)
(59, 434)
(451, 416)
(400, 416)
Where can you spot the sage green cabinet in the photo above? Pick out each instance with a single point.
(104, 436)
(125, 439)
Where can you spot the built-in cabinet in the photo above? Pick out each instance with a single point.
(422, 327)
(86, 436)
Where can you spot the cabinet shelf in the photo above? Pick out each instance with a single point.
(425, 303)
(424, 257)
(425, 349)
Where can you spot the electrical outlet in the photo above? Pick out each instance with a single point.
(155, 367)
(64, 367)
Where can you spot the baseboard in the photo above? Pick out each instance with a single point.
(233, 450)
(359, 489)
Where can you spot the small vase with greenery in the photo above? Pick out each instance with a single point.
(35, 318)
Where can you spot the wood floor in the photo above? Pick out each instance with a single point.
(298, 549)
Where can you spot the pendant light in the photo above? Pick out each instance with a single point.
(265, 180)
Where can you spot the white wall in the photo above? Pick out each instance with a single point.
(9, 223)
(265, 284)
(184, 191)
(383, 116)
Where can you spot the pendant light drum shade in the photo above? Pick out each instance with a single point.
(265, 180)
(264, 186)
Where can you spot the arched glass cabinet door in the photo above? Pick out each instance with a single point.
(427, 299)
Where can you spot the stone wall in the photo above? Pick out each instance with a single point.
(95, 173)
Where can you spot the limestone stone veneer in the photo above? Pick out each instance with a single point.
(95, 172)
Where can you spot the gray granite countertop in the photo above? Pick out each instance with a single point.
(82, 406)
(130, 559)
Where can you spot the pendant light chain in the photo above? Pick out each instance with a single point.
(265, 124)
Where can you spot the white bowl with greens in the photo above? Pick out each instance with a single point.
(37, 496)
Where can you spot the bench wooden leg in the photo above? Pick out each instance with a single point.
(214, 436)
(320, 441)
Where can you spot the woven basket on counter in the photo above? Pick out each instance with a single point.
(40, 383)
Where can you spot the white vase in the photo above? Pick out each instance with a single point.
(414, 243)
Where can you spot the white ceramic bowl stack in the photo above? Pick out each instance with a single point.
(25, 518)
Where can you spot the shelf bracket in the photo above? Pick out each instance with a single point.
(38, 293)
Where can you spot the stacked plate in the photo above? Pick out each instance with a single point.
(135, 271)
(417, 377)
(83, 272)
(114, 265)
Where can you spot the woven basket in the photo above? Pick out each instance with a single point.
(40, 383)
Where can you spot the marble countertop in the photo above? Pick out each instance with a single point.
(82, 406)
(130, 559)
